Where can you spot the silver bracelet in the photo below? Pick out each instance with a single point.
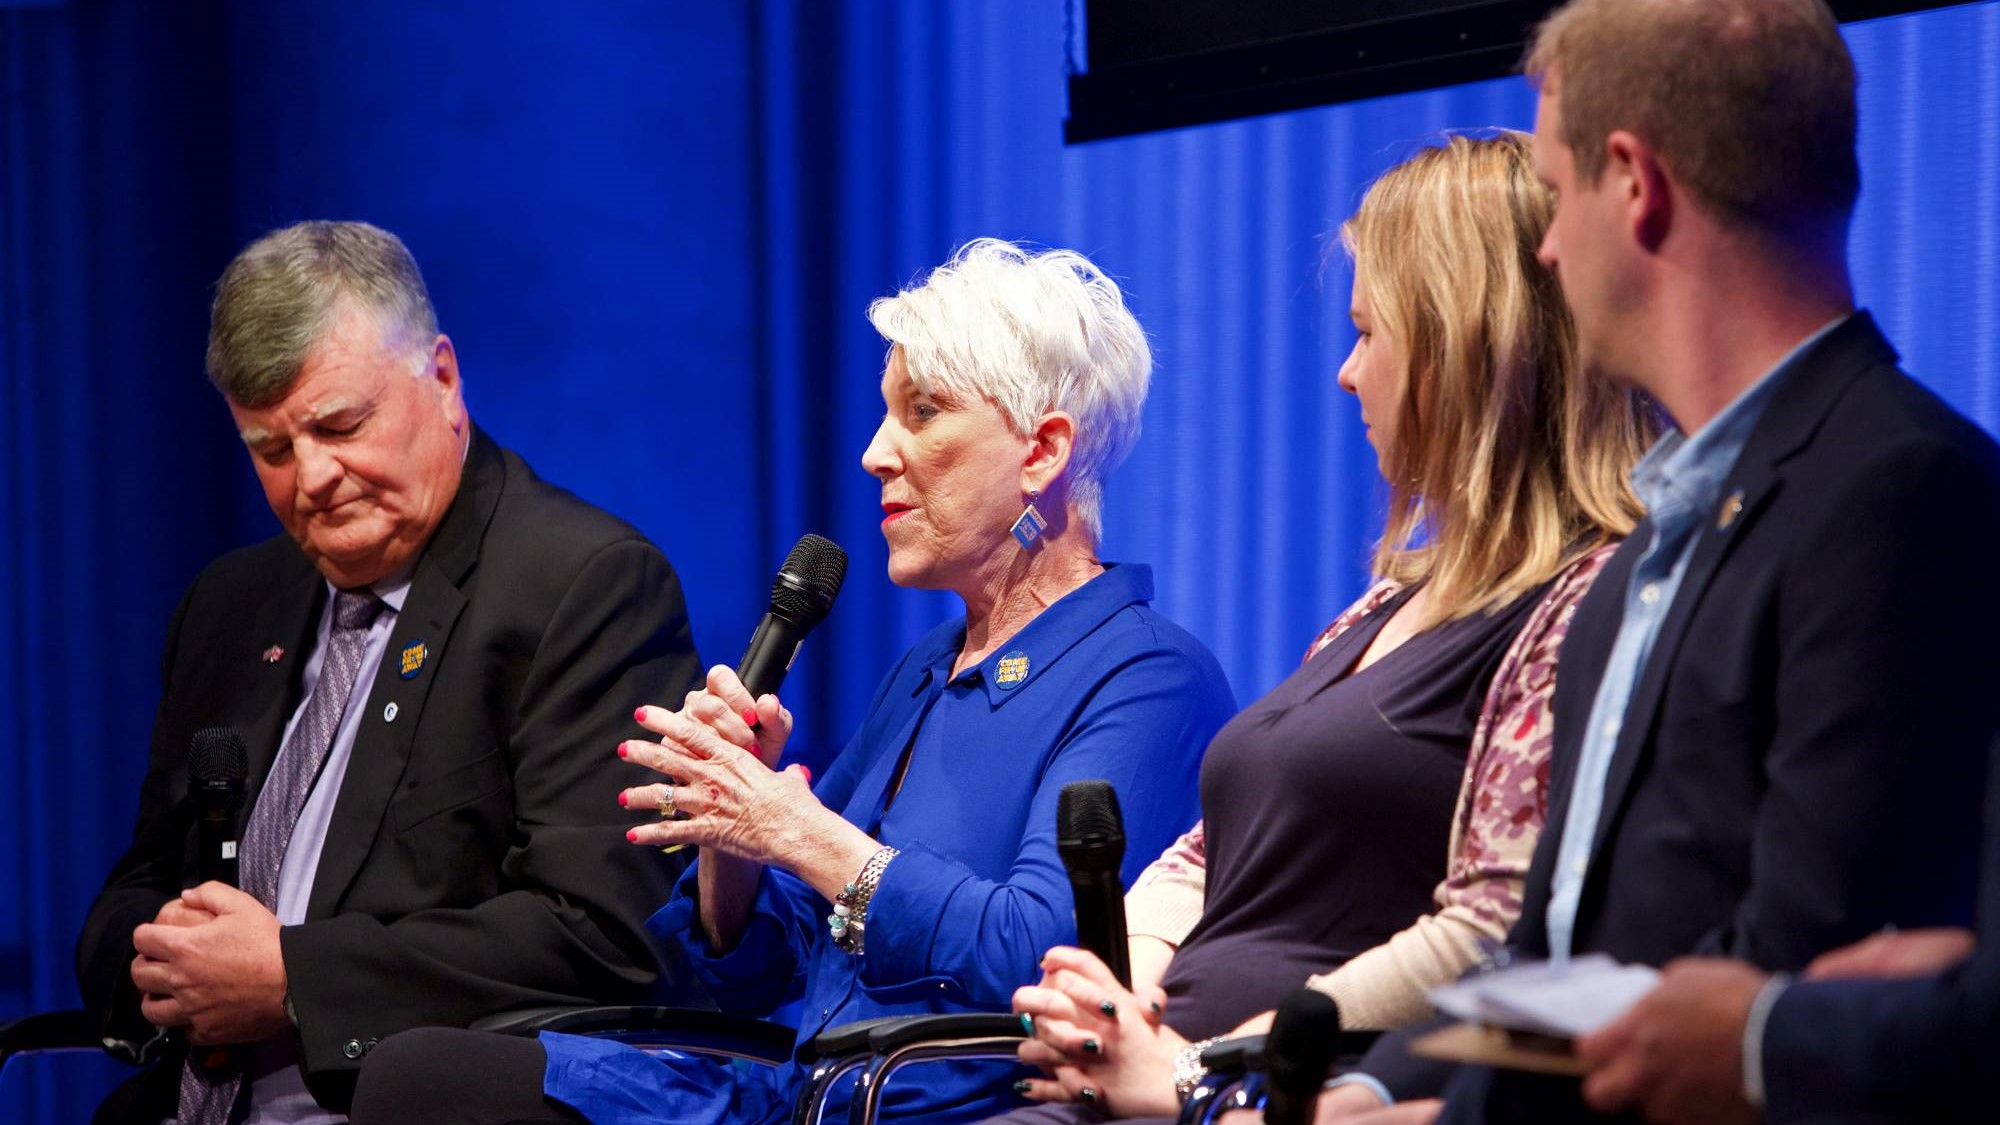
(849, 919)
(1188, 1071)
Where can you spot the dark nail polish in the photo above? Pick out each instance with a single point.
(1155, 1005)
(1108, 1008)
(1022, 1086)
(1090, 1046)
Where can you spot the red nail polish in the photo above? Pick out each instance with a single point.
(750, 717)
(807, 770)
(632, 837)
(622, 752)
(638, 714)
(621, 801)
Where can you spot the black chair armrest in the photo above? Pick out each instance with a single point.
(847, 1039)
(1354, 1044)
(895, 1043)
(895, 1034)
(653, 1025)
(1245, 1053)
(1237, 1057)
(71, 1030)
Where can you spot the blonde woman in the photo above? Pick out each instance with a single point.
(1367, 824)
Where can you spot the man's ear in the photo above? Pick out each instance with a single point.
(444, 376)
(1049, 448)
(1646, 191)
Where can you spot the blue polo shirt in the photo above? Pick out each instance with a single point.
(1096, 686)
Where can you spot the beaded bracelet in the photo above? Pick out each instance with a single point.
(850, 907)
(1188, 1068)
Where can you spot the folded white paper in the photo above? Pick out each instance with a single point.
(1547, 998)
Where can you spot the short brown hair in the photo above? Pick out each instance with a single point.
(1749, 103)
(280, 295)
(1509, 461)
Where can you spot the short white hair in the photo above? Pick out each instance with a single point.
(1030, 331)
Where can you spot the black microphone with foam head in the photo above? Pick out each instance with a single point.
(1304, 1040)
(217, 767)
(801, 596)
(1090, 837)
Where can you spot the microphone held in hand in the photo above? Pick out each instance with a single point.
(1090, 837)
(217, 767)
(801, 597)
(1304, 1039)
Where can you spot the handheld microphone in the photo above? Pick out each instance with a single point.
(1090, 837)
(1304, 1040)
(801, 596)
(217, 767)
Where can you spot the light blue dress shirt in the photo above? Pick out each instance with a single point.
(277, 1090)
(1680, 480)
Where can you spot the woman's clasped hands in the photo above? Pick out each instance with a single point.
(1097, 1041)
(721, 789)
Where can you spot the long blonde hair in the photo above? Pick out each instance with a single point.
(1508, 462)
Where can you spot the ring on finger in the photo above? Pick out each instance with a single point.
(667, 806)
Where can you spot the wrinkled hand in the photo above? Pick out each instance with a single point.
(211, 962)
(1910, 953)
(720, 777)
(1125, 1057)
(174, 913)
(1678, 1054)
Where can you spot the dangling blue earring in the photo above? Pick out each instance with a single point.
(1028, 529)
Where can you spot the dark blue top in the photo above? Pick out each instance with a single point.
(1328, 810)
(1096, 686)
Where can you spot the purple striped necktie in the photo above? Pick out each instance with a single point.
(212, 1080)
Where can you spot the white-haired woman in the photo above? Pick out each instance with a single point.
(920, 875)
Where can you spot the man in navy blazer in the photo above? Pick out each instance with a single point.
(1900, 1027)
(1774, 706)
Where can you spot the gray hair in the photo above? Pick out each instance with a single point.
(280, 295)
(1031, 332)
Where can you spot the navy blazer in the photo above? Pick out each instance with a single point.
(1902, 1050)
(1802, 758)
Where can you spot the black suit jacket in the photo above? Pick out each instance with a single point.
(476, 859)
(1895, 1050)
(1802, 758)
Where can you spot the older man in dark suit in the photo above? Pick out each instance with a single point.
(430, 671)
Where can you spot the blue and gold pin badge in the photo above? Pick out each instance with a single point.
(413, 659)
(1731, 508)
(1012, 670)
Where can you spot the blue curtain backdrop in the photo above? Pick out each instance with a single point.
(652, 229)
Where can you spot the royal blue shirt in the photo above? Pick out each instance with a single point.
(1097, 686)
